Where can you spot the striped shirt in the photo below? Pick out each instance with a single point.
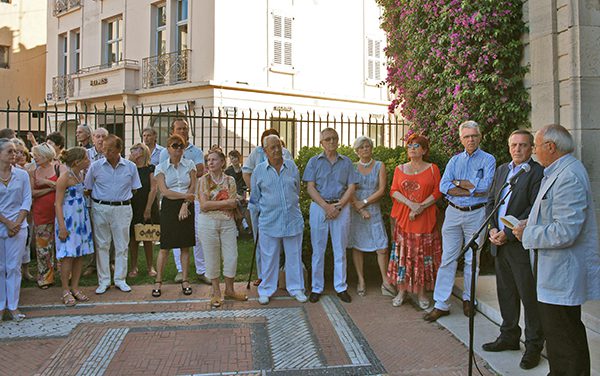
(276, 196)
(478, 168)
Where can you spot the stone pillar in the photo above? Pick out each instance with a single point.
(564, 42)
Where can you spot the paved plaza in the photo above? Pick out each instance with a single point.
(135, 334)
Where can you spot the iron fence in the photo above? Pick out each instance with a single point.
(228, 127)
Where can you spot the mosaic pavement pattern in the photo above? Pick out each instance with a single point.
(259, 341)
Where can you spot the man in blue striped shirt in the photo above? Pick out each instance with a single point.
(467, 178)
(276, 196)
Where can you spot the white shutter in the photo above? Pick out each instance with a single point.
(374, 60)
(282, 40)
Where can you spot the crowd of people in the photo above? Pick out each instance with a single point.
(87, 200)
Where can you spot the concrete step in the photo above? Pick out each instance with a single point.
(488, 305)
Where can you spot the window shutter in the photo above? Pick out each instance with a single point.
(373, 59)
(282, 40)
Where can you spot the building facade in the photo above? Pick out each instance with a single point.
(286, 56)
(22, 59)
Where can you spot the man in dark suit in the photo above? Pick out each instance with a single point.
(514, 277)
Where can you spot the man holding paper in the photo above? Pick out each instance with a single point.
(514, 279)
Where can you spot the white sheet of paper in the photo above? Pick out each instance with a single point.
(510, 221)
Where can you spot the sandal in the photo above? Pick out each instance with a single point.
(388, 290)
(399, 299)
(186, 290)
(257, 282)
(79, 295)
(361, 291)
(152, 273)
(68, 299)
(215, 301)
(156, 292)
(133, 273)
(236, 296)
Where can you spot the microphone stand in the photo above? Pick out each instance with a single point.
(472, 244)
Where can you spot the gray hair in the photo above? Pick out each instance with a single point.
(270, 137)
(86, 128)
(470, 124)
(44, 150)
(360, 141)
(149, 129)
(101, 130)
(18, 142)
(558, 135)
(4, 142)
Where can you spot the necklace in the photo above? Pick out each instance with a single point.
(414, 170)
(365, 165)
(219, 182)
(77, 178)
(5, 181)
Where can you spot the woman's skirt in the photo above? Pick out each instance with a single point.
(414, 260)
(173, 232)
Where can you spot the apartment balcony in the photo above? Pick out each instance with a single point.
(62, 87)
(166, 69)
(102, 81)
(64, 6)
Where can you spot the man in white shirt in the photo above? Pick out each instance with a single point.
(112, 181)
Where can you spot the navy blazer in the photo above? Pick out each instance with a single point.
(521, 200)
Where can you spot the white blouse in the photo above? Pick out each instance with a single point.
(177, 179)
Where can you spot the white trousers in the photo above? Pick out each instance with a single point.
(111, 223)
(198, 253)
(11, 253)
(320, 228)
(271, 249)
(219, 241)
(254, 220)
(459, 227)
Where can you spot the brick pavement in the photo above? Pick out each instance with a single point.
(134, 334)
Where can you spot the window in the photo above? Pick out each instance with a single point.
(5, 1)
(4, 56)
(75, 51)
(282, 40)
(286, 127)
(182, 25)
(63, 54)
(160, 34)
(113, 41)
(374, 60)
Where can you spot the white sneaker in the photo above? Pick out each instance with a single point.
(123, 286)
(264, 300)
(300, 297)
(101, 289)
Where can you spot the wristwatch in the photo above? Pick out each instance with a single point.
(365, 202)
(456, 182)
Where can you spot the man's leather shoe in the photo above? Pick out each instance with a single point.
(314, 297)
(344, 296)
(467, 308)
(530, 359)
(500, 345)
(435, 314)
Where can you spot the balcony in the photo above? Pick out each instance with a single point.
(110, 79)
(166, 69)
(64, 6)
(62, 87)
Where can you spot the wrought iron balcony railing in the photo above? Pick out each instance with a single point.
(62, 87)
(166, 69)
(62, 6)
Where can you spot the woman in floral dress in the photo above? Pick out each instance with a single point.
(73, 228)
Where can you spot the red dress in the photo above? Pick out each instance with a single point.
(417, 247)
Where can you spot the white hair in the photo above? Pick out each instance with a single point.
(44, 150)
(360, 141)
(270, 137)
(470, 124)
(558, 135)
(101, 130)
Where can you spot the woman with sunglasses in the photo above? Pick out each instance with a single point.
(144, 205)
(176, 180)
(417, 247)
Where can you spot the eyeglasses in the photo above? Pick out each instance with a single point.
(330, 139)
(413, 146)
(540, 145)
(178, 146)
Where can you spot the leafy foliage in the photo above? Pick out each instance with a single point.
(455, 60)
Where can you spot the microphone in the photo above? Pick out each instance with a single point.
(524, 169)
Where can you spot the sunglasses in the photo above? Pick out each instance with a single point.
(178, 146)
(413, 146)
